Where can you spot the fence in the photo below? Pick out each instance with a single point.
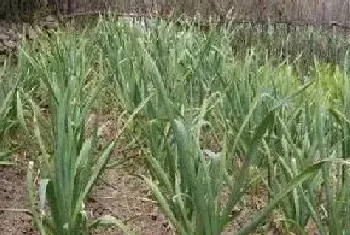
(315, 12)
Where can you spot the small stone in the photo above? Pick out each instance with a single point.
(2, 29)
(10, 44)
(49, 18)
(13, 25)
(2, 49)
(13, 34)
(4, 37)
(31, 33)
(50, 22)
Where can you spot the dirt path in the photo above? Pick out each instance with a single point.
(127, 198)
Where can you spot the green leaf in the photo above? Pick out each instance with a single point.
(297, 180)
(31, 194)
(95, 173)
(164, 204)
(20, 114)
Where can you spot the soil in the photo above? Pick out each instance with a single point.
(14, 217)
(127, 198)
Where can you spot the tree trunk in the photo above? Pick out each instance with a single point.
(71, 6)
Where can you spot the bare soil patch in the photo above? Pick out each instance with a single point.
(14, 216)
